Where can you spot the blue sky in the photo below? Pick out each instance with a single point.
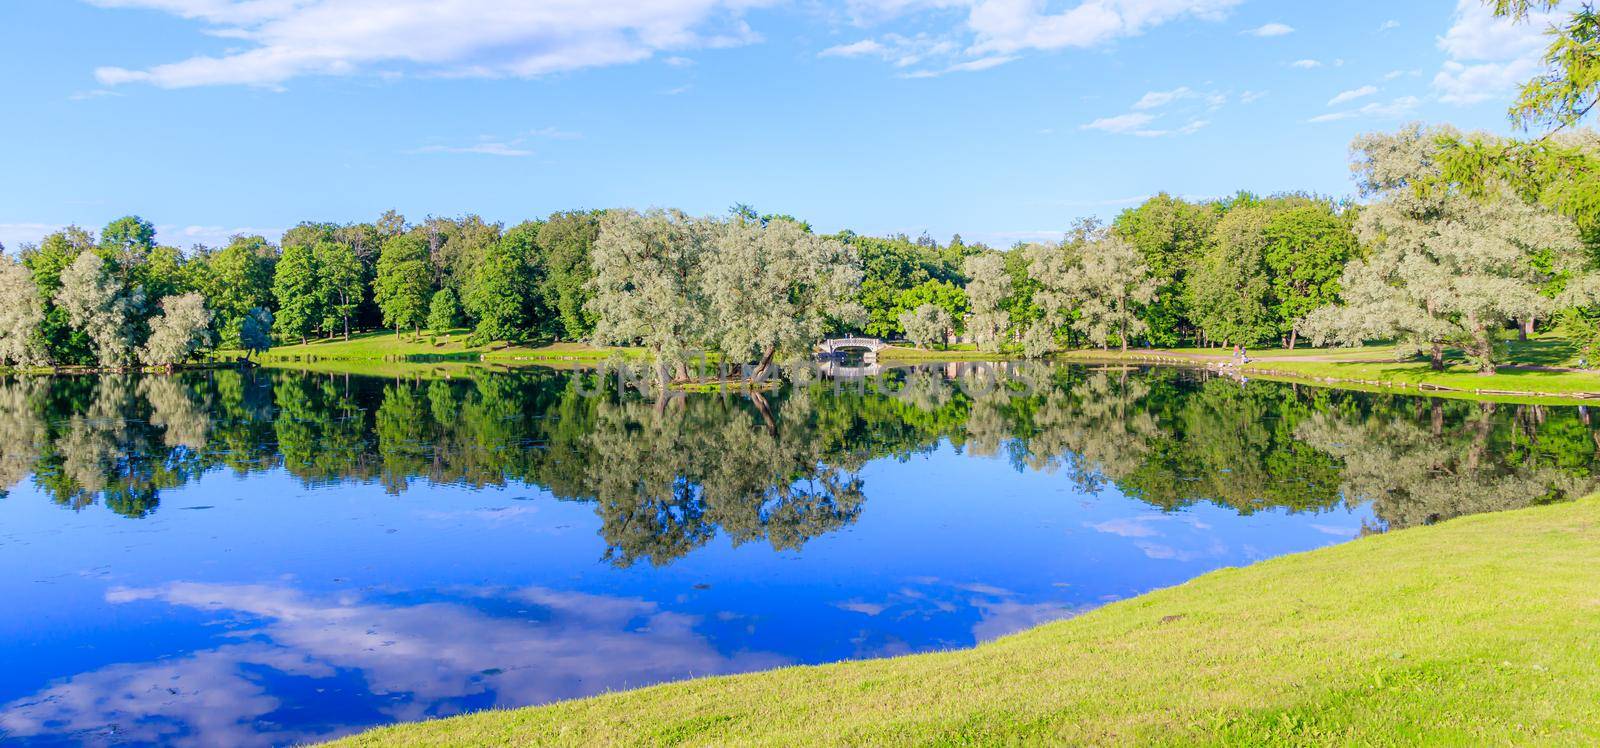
(998, 119)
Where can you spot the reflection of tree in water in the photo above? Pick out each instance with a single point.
(667, 476)
(1456, 458)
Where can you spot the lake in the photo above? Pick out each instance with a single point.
(270, 556)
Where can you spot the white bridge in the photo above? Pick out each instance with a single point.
(870, 345)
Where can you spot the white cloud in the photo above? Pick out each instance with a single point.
(1159, 99)
(1012, 25)
(1251, 97)
(286, 39)
(1271, 29)
(1306, 64)
(1122, 123)
(854, 49)
(995, 31)
(1345, 97)
(1389, 25)
(1488, 57)
(1395, 109)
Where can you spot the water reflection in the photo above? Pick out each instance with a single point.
(666, 475)
(381, 549)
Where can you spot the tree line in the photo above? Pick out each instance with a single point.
(1423, 261)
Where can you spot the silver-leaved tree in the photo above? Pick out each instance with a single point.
(1444, 268)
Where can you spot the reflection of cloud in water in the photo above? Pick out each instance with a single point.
(1142, 527)
(998, 611)
(417, 661)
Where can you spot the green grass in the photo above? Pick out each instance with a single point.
(1481, 630)
(385, 345)
(1458, 377)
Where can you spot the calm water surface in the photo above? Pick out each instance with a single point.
(269, 557)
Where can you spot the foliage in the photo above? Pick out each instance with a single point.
(21, 312)
(774, 286)
(1109, 284)
(501, 293)
(180, 332)
(255, 331)
(927, 324)
(988, 289)
(297, 286)
(443, 311)
(340, 284)
(1171, 234)
(566, 242)
(647, 286)
(404, 283)
(98, 304)
(1445, 267)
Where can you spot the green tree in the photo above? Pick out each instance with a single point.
(566, 241)
(940, 293)
(297, 284)
(60, 342)
(500, 296)
(341, 282)
(234, 280)
(403, 287)
(1228, 290)
(255, 332)
(1306, 252)
(1171, 234)
(443, 311)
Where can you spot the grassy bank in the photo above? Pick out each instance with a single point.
(1481, 630)
(386, 346)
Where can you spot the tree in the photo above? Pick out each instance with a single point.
(126, 242)
(179, 333)
(97, 303)
(988, 287)
(1307, 248)
(403, 286)
(20, 316)
(927, 324)
(57, 338)
(1110, 283)
(500, 294)
(443, 311)
(647, 285)
(1444, 267)
(255, 331)
(297, 285)
(1171, 234)
(341, 281)
(774, 286)
(236, 279)
(565, 243)
(940, 293)
(1228, 291)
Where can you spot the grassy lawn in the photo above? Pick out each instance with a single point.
(1456, 377)
(1481, 630)
(382, 345)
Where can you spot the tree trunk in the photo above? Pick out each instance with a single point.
(1437, 357)
(766, 363)
(1293, 336)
